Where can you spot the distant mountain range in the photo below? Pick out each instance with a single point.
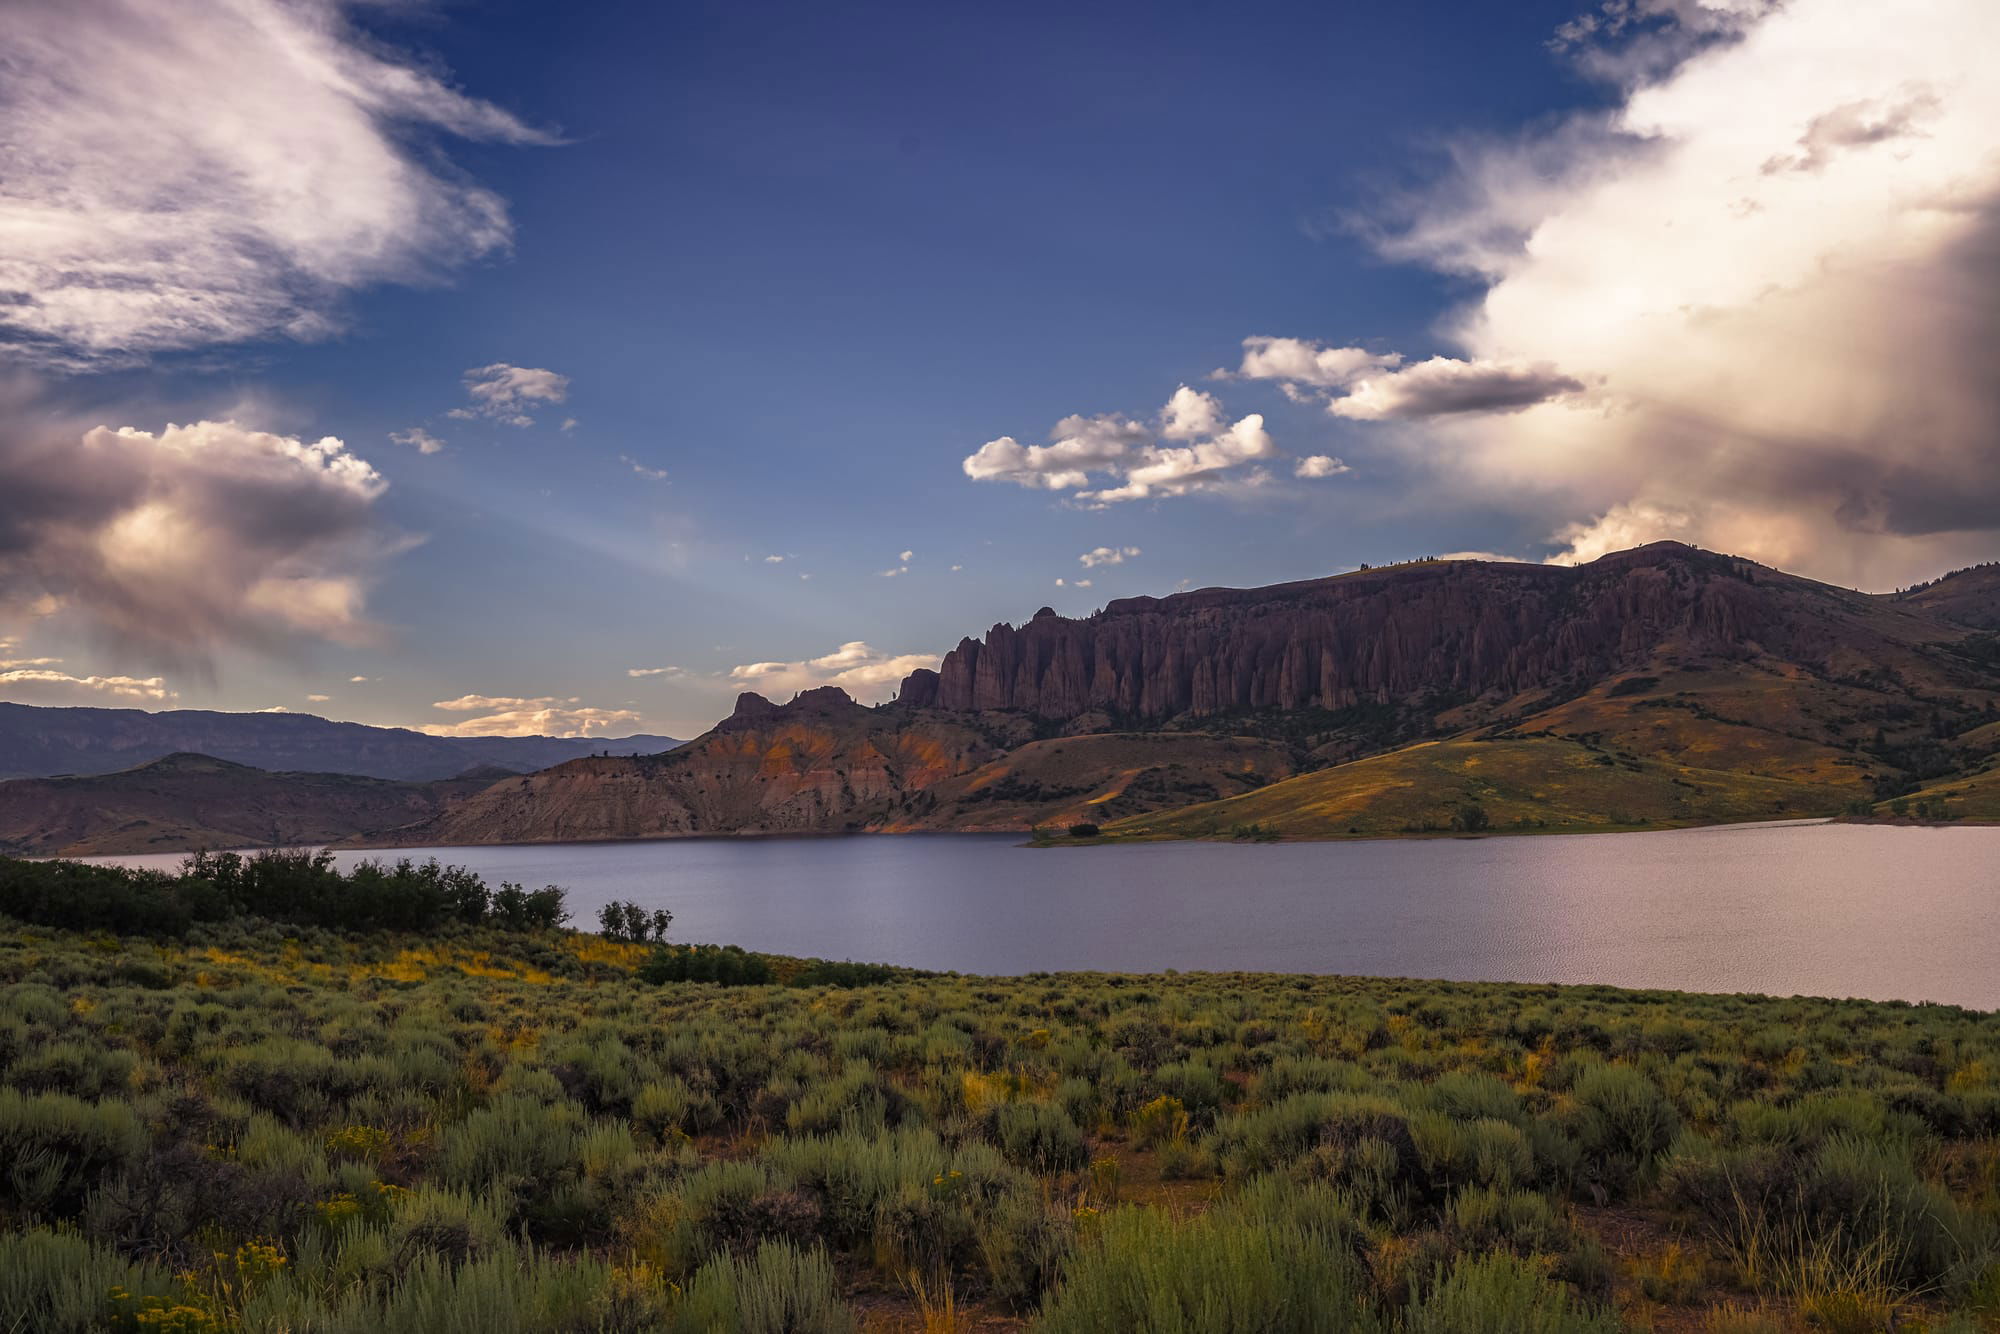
(37, 742)
(1653, 688)
(1657, 687)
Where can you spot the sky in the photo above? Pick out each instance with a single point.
(495, 369)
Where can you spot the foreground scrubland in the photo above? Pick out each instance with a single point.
(461, 1116)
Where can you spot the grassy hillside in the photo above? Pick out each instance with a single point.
(468, 1128)
(1095, 778)
(1974, 797)
(1522, 783)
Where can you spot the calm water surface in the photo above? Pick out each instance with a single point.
(1832, 910)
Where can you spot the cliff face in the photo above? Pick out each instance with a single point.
(1465, 629)
(819, 763)
(823, 763)
(1663, 655)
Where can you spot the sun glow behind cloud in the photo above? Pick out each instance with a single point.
(1764, 290)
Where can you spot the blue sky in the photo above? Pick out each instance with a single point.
(781, 271)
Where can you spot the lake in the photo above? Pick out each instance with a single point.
(1813, 909)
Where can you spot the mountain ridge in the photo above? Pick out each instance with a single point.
(1733, 690)
(38, 741)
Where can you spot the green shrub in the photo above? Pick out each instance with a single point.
(1220, 1273)
(55, 1148)
(1502, 1294)
(778, 1290)
(59, 1283)
(1623, 1124)
(1039, 1137)
(724, 964)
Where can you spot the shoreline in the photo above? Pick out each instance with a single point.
(1054, 840)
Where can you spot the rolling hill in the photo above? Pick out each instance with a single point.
(184, 802)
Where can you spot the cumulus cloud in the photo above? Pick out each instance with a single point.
(867, 674)
(1775, 261)
(40, 685)
(508, 715)
(172, 542)
(219, 170)
(1107, 556)
(505, 393)
(1128, 453)
(1319, 465)
(418, 439)
(1079, 446)
(1443, 386)
(1299, 361)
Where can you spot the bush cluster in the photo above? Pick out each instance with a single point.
(284, 1127)
(303, 888)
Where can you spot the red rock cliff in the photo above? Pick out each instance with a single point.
(1466, 628)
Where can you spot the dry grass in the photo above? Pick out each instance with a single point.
(1522, 784)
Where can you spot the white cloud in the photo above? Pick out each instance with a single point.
(39, 685)
(506, 393)
(774, 560)
(1128, 453)
(1776, 262)
(1078, 583)
(8, 663)
(189, 174)
(1320, 465)
(1176, 471)
(906, 557)
(650, 474)
(1080, 446)
(318, 699)
(1298, 361)
(1443, 386)
(170, 542)
(892, 572)
(867, 674)
(1190, 415)
(357, 680)
(1107, 556)
(653, 671)
(418, 439)
(473, 703)
(507, 715)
